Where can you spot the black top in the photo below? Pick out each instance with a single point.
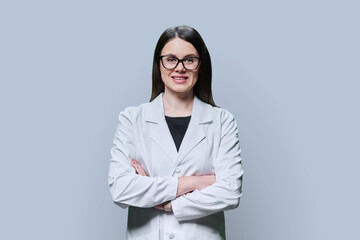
(177, 127)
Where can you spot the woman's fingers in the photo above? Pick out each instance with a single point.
(160, 207)
(135, 165)
(139, 170)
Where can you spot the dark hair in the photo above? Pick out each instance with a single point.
(202, 88)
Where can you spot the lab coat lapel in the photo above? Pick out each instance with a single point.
(154, 114)
(162, 136)
(196, 132)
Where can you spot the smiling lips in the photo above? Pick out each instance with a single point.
(179, 79)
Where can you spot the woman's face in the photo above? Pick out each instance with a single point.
(179, 80)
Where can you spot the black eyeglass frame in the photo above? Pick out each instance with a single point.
(179, 60)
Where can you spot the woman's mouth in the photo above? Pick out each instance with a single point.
(179, 79)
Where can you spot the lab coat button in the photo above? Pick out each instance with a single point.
(171, 235)
(178, 170)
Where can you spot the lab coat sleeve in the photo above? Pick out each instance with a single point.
(225, 193)
(126, 187)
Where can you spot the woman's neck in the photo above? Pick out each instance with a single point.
(178, 104)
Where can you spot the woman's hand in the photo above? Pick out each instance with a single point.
(138, 169)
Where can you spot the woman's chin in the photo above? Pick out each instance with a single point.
(181, 90)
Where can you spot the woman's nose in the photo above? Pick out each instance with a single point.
(180, 67)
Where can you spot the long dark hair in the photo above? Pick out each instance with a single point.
(202, 88)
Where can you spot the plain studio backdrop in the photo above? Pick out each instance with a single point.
(287, 70)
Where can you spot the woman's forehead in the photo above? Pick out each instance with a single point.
(179, 48)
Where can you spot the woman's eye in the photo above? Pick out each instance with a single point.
(171, 59)
(189, 60)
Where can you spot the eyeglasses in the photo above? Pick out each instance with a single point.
(171, 62)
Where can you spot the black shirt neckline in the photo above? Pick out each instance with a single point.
(178, 127)
(178, 117)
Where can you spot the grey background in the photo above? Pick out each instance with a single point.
(288, 71)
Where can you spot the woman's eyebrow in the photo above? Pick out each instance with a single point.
(188, 55)
(191, 55)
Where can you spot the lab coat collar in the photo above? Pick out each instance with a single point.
(195, 133)
(201, 112)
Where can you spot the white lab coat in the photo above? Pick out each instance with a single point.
(210, 146)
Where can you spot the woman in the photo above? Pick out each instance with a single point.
(176, 160)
